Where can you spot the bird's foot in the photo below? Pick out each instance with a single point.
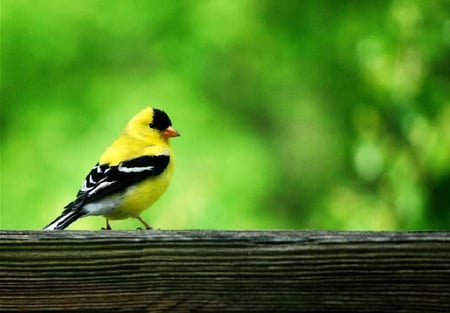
(147, 226)
(108, 227)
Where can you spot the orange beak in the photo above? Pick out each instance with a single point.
(170, 132)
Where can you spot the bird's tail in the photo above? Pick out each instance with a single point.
(64, 220)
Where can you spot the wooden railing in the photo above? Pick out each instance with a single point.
(224, 271)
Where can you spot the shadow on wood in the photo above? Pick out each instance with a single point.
(224, 271)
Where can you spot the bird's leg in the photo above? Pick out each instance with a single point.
(108, 227)
(147, 226)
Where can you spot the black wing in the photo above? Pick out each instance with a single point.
(104, 180)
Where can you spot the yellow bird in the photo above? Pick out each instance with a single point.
(131, 174)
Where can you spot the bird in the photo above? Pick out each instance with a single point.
(131, 174)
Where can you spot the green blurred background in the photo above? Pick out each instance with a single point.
(293, 114)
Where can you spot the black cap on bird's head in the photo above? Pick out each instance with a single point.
(162, 122)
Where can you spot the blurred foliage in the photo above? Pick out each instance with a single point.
(293, 114)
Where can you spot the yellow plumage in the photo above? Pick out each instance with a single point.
(132, 173)
(137, 140)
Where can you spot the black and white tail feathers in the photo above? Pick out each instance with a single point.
(64, 220)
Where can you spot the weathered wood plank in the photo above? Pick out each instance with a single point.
(224, 271)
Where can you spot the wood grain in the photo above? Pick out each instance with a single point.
(224, 271)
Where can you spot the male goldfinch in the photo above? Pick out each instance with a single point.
(131, 174)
